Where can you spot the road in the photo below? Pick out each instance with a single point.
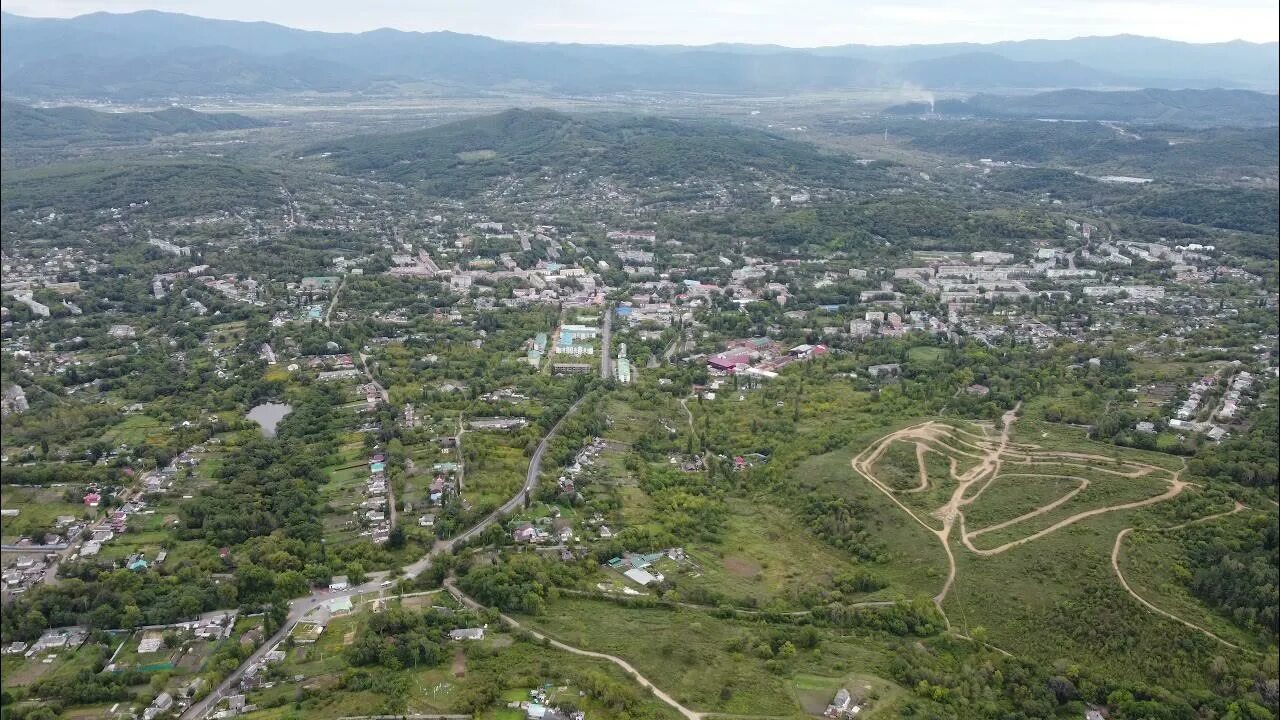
(626, 667)
(300, 607)
(606, 344)
(328, 314)
(516, 501)
(386, 397)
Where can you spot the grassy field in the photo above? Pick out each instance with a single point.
(20, 670)
(497, 471)
(681, 652)
(1012, 495)
(912, 562)
(516, 666)
(136, 430)
(1056, 600)
(39, 509)
(1103, 491)
(767, 557)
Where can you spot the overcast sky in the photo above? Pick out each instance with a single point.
(797, 23)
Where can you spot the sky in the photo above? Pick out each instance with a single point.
(796, 23)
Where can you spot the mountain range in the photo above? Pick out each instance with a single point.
(153, 55)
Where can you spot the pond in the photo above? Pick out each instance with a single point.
(268, 415)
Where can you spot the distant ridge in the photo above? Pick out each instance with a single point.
(1152, 105)
(20, 124)
(156, 55)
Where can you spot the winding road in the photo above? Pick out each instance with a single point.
(301, 607)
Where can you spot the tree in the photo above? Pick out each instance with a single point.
(356, 574)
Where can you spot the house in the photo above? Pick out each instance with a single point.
(525, 533)
(340, 606)
(151, 642)
(467, 634)
(889, 369)
(338, 583)
(1093, 715)
(162, 703)
(842, 706)
(643, 577)
(1146, 427)
(605, 532)
(137, 564)
(92, 499)
(427, 521)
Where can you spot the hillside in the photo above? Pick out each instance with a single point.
(1152, 105)
(1225, 153)
(464, 155)
(23, 125)
(168, 187)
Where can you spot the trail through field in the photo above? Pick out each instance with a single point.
(1115, 565)
(988, 467)
(930, 436)
(921, 449)
(991, 455)
(626, 666)
(1176, 486)
(1026, 516)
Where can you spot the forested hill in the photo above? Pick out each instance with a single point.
(24, 125)
(455, 157)
(1152, 105)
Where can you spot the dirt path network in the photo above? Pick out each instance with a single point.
(988, 467)
(1115, 565)
(991, 455)
(1176, 486)
(1026, 516)
(929, 436)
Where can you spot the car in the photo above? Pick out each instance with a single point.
(386, 583)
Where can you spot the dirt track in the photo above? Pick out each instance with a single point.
(1115, 565)
(992, 454)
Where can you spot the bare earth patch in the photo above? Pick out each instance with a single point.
(740, 566)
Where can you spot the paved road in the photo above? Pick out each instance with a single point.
(516, 502)
(606, 344)
(300, 607)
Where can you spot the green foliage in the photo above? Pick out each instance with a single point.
(463, 157)
(520, 583)
(1236, 569)
(23, 125)
(171, 188)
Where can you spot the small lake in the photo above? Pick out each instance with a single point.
(268, 415)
